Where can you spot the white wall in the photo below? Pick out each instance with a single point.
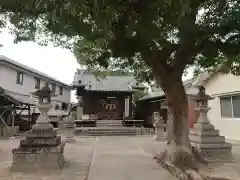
(8, 77)
(218, 86)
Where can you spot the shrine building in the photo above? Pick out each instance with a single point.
(105, 98)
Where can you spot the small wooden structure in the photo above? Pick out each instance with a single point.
(11, 107)
(149, 106)
(156, 102)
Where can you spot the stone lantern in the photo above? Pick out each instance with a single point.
(202, 105)
(204, 136)
(42, 148)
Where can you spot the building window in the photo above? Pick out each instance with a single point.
(61, 90)
(19, 78)
(230, 106)
(54, 88)
(37, 83)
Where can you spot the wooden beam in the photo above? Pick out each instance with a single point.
(13, 119)
(29, 118)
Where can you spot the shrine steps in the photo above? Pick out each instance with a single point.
(109, 123)
(112, 131)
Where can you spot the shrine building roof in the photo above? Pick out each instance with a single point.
(107, 83)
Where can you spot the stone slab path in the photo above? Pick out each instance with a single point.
(122, 158)
(108, 158)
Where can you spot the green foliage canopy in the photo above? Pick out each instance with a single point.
(133, 34)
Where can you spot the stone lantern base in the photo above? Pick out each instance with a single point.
(209, 143)
(69, 130)
(42, 149)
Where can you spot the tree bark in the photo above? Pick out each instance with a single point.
(180, 158)
(178, 144)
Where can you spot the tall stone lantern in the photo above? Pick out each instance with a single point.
(204, 136)
(42, 148)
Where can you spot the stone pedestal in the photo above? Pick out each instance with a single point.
(206, 138)
(43, 122)
(42, 149)
(69, 129)
(159, 126)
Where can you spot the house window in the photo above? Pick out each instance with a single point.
(61, 90)
(230, 106)
(19, 78)
(37, 83)
(53, 88)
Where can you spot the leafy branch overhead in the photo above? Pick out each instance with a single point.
(176, 33)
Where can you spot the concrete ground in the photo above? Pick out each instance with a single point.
(107, 158)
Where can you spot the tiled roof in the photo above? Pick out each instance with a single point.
(108, 83)
(17, 98)
(4, 59)
(159, 92)
(154, 94)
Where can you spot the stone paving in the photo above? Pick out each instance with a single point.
(128, 158)
(108, 158)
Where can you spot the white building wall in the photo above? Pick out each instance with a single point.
(8, 81)
(218, 86)
(8, 75)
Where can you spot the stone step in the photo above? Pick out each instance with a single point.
(109, 133)
(106, 130)
(204, 132)
(109, 128)
(213, 146)
(203, 126)
(207, 139)
(109, 123)
(98, 131)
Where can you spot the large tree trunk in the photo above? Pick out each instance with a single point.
(179, 154)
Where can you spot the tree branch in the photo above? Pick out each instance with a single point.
(187, 36)
(228, 48)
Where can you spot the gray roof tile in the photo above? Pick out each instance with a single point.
(17, 98)
(108, 83)
(159, 92)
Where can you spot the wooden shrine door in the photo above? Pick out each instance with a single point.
(110, 109)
